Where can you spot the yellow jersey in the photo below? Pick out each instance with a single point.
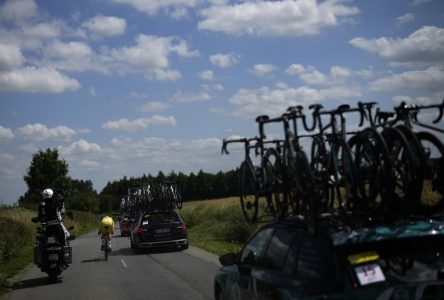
(106, 225)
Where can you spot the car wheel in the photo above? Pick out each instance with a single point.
(219, 294)
(184, 247)
(132, 244)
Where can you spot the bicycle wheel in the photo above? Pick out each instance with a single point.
(275, 183)
(319, 167)
(405, 191)
(248, 191)
(373, 169)
(433, 189)
(307, 192)
(178, 199)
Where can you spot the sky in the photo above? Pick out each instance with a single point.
(133, 87)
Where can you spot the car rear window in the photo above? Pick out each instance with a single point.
(159, 218)
(403, 260)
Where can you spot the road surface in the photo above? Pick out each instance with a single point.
(173, 274)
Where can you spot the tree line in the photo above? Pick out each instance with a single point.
(47, 170)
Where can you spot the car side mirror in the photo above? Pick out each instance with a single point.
(72, 237)
(35, 220)
(228, 259)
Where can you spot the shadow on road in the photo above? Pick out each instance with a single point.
(99, 259)
(30, 283)
(131, 252)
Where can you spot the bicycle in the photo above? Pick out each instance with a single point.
(334, 169)
(255, 182)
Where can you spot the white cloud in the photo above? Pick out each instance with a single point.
(424, 46)
(18, 10)
(287, 17)
(424, 81)
(182, 97)
(154, 6)
(225, 60)
(263, 69)
(150, 55)
(419, 2)
(251, 103)
(154, 106)
(39, 132)
(6, 157)
(70, 56)
(81, 147)
(92, 91)
(105, 26)
(89, 164)
(36, 80)
(307, 74)
(6, 133)
(10, 57)
(206, 75)
(339, 73)
(408, 17)
(139, 124)
(121, 141)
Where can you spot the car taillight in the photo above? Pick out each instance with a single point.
(182, 226)
(140, 230)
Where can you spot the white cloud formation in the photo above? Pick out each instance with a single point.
(6, 133)
(424, 46)
(225, 60)
(69, 56)
(92, 91)
(263, 69)
(10, 57)
(287, 17)
(18, 10)
(183, 97)
(39, 132)
(307, 74)
(155, 106)
(424, 81)
(105, 25)
(154, 6)
(206, 75)
(139, 124)
(89, 164)
(81, 147)
(35, 80)
(150, 56)
(408, 17)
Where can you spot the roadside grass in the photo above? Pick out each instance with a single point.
(217, 226)
(17, 238)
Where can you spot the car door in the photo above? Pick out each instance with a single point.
(250, 259)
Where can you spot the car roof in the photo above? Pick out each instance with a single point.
(358, 230)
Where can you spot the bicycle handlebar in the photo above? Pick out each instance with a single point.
(246, 141)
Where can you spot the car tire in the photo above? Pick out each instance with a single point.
(219, 294)
(184, 247)
(132, 244)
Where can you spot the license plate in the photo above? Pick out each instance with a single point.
(162, 230)
(53, 256)
(370, 273)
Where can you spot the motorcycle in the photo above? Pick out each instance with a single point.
(50, 254)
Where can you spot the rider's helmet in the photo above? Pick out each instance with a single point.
(47, 193)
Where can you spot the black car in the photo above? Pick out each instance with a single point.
(400, 259)
(159, 230)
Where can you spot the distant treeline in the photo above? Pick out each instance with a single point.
(198, 186)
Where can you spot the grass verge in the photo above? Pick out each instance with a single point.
(217, 226)
(17, 238)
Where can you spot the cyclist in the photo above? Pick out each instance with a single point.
(106, 230)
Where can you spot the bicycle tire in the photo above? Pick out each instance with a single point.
(432, 200)
(248, 189)
(178, 199)
(319, 167)
(373, 169)
(275, 183)
(307, 192)
(342, 174)
(405, 192)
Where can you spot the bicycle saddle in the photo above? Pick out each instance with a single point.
(343, 107)
(316, 106)
(263, 118)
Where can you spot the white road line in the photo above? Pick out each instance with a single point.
(123, 263)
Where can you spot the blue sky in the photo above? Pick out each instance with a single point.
(127, 87)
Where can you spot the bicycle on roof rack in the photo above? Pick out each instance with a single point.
(170, 196)
(256, 182)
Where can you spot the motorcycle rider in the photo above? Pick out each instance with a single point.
(106, 229)
(50, 212)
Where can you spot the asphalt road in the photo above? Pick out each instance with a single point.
(172, 274)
